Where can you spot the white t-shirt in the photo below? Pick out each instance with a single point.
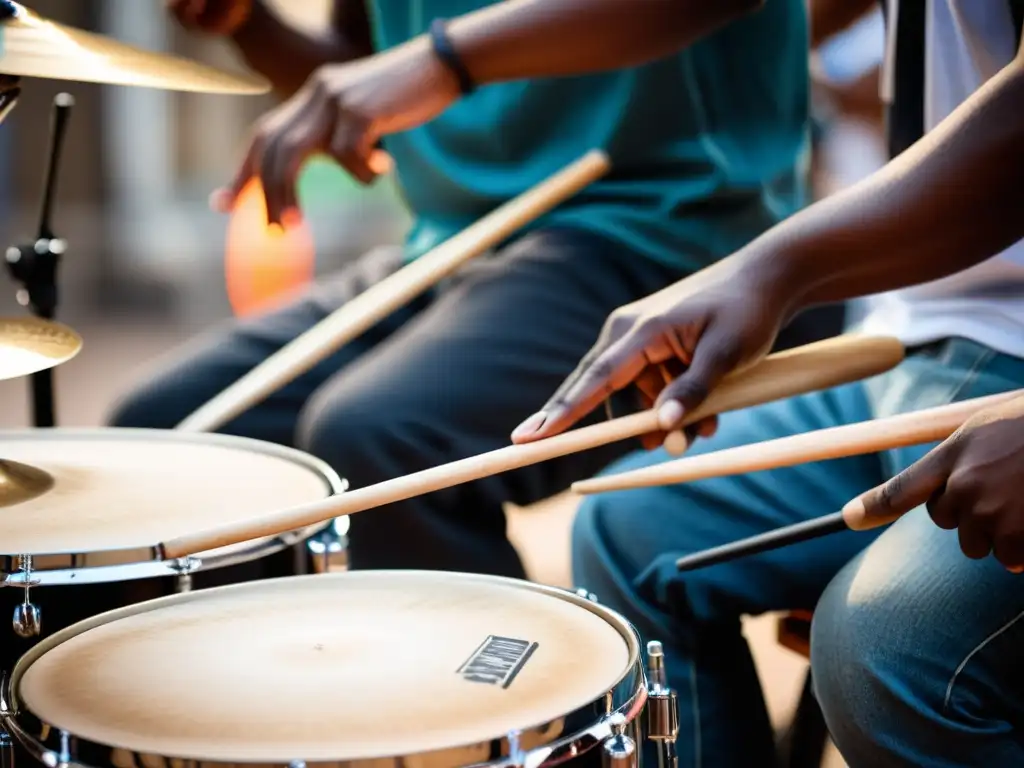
(966, 42)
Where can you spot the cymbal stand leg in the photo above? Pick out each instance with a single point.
(34, 266)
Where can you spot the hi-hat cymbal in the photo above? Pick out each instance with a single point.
(31, 46)
(29, 345)
(20, 482)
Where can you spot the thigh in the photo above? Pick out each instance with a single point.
(456, 381)
(625, 543)
(189, 377)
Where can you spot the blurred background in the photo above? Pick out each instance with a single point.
(145, 266)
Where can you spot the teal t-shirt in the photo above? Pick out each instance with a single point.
(706, 146)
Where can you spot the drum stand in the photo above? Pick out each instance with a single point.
(34, 266)
(662, 709)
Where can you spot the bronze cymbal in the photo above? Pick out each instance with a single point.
(29, 345)
(20, 482)
(31, 46)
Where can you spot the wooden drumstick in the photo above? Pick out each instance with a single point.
(815, 366)
(393, 293)
(931, 425)
(905, 429)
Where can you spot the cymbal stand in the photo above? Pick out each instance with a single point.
(34, 266)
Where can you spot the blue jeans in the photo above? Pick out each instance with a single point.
(914, 647)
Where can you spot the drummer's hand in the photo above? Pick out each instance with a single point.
(970, 482)
(674, 346)
(342, 111)
(216, 17)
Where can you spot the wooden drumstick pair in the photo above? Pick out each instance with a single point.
(813, 367)
(914, 428)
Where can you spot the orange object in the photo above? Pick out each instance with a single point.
(265, 265)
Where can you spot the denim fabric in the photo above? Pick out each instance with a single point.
(625, 545)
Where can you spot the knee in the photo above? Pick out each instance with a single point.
(360, 440)
(143, 408)
(868, 669)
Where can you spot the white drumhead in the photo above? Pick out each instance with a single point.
(123, 489)
(335, 667)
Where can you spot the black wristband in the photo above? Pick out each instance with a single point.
(445, 51)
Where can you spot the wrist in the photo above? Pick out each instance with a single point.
(445, 52)
(777, 275)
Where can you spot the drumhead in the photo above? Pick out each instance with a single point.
(338, 667)
(122, 489)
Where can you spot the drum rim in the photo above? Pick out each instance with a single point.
(620, 710)
(333, 483)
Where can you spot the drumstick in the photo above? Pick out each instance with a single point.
(815, 366)
(905, 429)
(393, 293)
(947, 420)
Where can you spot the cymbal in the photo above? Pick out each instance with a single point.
(29, 345)
(20, 482)
(32, 46)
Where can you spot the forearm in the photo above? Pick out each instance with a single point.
(286, 56)
(519, 39)
(951, 201)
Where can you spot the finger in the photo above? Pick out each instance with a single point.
(1008, 542)
(353, 148)
(607, 368)
(975, 540)
(279, 172)
(650, 383)
(911, 488)
(707, 427)
(716, 354)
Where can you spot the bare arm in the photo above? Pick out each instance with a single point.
(951, 201)
(519, 39)
(287, 56)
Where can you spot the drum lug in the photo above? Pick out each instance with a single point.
(619, 750)
(329, 549)
(28, 618)
(184, 567)
(662, 711)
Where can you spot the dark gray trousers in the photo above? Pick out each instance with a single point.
(446, 378)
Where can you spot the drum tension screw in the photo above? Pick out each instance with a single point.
(28, 619)
(619, 750)
(586, 595)
(662, 709)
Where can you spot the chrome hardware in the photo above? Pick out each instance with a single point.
(64, 757)
(662, 712)
(28, 619)
(297, 764)
(329, 549)
(184, 567)
(619, 750)
(581, 592)
(6, 750)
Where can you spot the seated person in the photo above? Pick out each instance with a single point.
(705, 145)
(916, 638)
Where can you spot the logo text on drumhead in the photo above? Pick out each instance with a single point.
(497, 661)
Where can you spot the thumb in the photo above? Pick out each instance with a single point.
(715, 356)
(908, 490)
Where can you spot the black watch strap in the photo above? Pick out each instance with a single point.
(445, 51)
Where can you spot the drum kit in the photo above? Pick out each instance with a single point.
(140, 662)
(182, 624)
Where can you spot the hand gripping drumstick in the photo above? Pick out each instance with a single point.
(915, 428)
(815, 366)
(394, 292)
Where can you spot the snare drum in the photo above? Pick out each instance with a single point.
(419, 669)
(118, 492)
